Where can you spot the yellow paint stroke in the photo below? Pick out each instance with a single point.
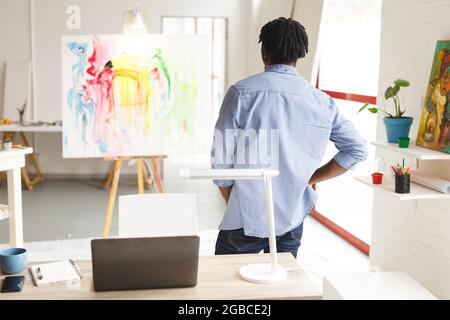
(132, 82)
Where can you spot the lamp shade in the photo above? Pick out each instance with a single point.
(133, 22)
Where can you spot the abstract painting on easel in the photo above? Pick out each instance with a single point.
(135, 95)
(434, 128)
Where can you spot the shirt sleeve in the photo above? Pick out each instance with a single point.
(225, 132)
(351, 145)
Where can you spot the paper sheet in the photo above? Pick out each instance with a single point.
(437, 184)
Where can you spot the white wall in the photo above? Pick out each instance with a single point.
(311, 14)
(98, 16)
(307, 12)
(412, 236)
(263, 11)
(245, 18)
(14, 36)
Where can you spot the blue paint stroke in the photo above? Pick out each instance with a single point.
(78, 69)
(102, 145)
(84, 109)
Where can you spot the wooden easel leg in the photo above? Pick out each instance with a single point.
(26, 179)
(8, 136)
(32, 158)
(39, 176)
(140, 176)
(149, 178)
(157, 176)
(112, 198)
(109, 179)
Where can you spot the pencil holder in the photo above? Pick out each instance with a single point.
(402, 184)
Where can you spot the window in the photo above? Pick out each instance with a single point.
(350, 52)
(216, 31)
(349, 65)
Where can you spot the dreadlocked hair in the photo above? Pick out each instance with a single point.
(284, 40)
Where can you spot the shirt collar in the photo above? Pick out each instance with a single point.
(281, 68)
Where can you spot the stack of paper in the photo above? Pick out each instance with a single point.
(437, 184)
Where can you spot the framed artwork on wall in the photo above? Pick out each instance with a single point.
(434, 128)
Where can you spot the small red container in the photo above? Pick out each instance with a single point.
(377, 178)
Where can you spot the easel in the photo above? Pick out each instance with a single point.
(30, 183)
(112, 181)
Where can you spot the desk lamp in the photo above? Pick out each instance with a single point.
(260, 272)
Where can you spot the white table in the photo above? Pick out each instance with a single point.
(10, 130)
(12, 161)
(37, 129)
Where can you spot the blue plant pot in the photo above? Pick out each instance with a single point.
(13, 260)
(397, 128)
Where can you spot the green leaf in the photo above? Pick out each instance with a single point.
(401, 83)
(363, 107)
(396, 90)
(373, 110)
(389, 93)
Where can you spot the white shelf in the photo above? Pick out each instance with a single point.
(15, 152)
(413, 151)
(417, 192)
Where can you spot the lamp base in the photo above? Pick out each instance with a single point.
(262, 273)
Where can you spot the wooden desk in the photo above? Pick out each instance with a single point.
(11, 162)
(218, 278)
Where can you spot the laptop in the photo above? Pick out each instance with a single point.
(145, 263)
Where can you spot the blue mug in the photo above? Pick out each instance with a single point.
(13, 260)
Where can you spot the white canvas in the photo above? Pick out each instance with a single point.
(17, 90)
(135, 95)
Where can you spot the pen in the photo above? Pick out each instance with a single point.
(76, 268)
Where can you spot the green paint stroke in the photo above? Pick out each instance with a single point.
(163, 66)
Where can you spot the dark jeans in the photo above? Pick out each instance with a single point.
(235, 242)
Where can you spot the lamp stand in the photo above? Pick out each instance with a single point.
(266, 272)
(260, 272)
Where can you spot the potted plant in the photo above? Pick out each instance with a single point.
(397, 126)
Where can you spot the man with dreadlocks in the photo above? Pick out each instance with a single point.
(281, 109)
